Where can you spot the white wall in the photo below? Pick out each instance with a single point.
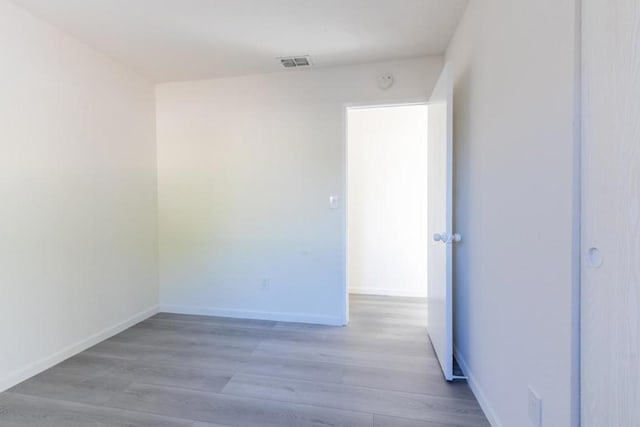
(77, 195)
(515, 272)
(387, 209)
(246, 166)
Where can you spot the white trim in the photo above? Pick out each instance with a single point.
(388, 292)
(258, 315)
(385, 104)
(475, 387)
(41, 365)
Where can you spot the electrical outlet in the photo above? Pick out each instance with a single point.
(535, 408)
(266, 284)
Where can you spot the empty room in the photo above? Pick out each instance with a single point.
(270, 213)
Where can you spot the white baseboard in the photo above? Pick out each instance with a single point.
(477, 390)
(387, 292)
(258, 315)
(43, 364)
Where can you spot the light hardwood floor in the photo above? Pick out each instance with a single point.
(195, 371)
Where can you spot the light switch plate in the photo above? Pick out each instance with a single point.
(333, 202)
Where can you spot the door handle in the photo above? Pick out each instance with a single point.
(446, 237)
(439, 237)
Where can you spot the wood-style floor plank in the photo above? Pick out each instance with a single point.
(218, 358)
(93, 389)
(416, 406)
(27, 411)
(379, 378)
(399, 380)
(341, 355)
(177, 370)
(386, 421)
(145, 371)
(232, 410)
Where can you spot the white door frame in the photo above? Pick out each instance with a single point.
(345, 171)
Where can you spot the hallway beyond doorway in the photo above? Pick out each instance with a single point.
(387, 199)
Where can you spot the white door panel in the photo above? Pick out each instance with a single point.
(440, 171)
(610, 280)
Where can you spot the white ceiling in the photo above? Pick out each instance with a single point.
(167, 40)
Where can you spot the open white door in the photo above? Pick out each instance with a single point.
(440, 222)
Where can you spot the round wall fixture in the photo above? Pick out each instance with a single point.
(385, 81)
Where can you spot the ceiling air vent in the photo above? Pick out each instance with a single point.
(295, 61)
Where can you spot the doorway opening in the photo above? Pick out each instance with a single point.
(387, 234)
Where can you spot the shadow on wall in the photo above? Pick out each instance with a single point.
(461, 204)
